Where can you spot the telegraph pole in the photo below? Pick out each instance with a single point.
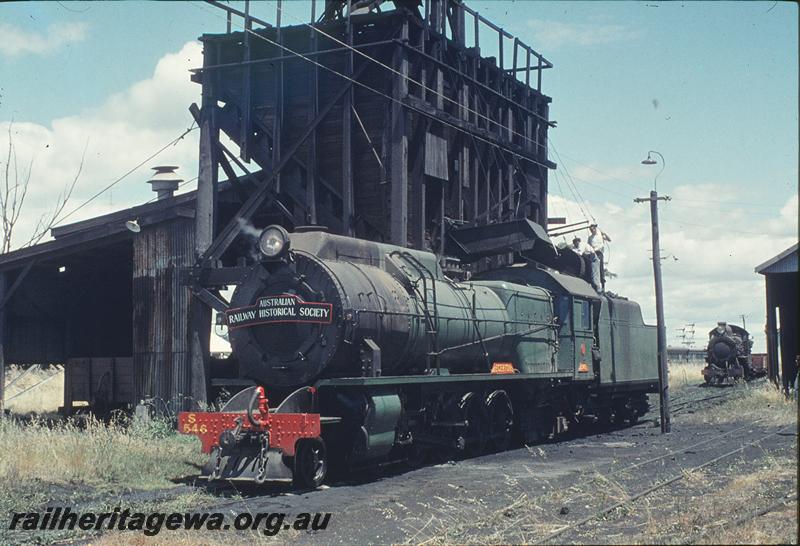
(663, 379)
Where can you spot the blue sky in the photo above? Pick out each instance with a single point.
(713, 86)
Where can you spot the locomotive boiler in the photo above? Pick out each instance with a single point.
(728, 355)
(361, 352)
(339, 297)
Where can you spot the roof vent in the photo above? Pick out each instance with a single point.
(165, 181)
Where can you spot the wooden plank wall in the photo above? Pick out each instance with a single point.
(100, 381)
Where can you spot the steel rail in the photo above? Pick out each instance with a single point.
(747, 517)
(655, 487)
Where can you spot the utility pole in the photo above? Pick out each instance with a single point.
(663, 379)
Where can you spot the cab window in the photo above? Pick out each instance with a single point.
(582, 314)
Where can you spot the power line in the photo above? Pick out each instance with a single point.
(420, 84)
(723, 202)
(121, 178)
(182, 184)
(637, 187)
(574, 195)
(467, 108)
(716, 228)
(705, 207)
(382, 94)
(579, 198)
(569, 180)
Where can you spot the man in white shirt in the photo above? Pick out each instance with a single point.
(596, 242)
(576, 247)
(587, 256)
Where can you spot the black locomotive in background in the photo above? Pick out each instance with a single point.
(728, 355)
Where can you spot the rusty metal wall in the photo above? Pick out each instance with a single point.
(160, 312)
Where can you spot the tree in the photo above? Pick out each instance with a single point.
(14, 191)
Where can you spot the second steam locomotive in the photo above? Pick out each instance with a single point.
(728, 355)
(361, 353)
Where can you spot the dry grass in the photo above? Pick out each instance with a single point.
(44, 398)
(758, 401)
(91, 452)
(194, 538)
(176, 538)
(703, 507)
(685, 375)
(92, 466)
(778, 527)
(737, 494)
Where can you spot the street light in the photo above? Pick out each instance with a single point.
(651, 161)
(663, 378)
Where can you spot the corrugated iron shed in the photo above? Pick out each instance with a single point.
(781, 279)
(99, 293)
(785, 262)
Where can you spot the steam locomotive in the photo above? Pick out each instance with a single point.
(728, 355)
(363, 353)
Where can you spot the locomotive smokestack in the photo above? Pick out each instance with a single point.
(165, 181)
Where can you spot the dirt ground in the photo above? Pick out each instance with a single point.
(727, 473)
(525, 495)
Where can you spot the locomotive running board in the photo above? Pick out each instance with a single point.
(451, 378)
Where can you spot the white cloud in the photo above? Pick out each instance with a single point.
(554, 34)
(16, 41)
(125, 129)
(717, 249)
(590, 173)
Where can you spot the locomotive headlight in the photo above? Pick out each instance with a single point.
(274, 242)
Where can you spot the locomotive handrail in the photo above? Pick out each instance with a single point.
(433, 327)
(348, 328)
(375, 291)
(418, 315)
(472, 309)
(539, 328)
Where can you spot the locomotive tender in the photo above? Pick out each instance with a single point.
(728, 355)
(373, 355)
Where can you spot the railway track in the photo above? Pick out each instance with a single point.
(669, 481)
(688, 399)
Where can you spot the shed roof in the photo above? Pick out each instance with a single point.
(785, 262)
(103, 230)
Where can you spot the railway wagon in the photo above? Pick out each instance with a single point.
(364, 353)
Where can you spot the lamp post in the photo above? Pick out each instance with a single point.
(663, 378)
(650, 161)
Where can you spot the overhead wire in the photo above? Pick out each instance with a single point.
(716, 228)
(568, 178)
(571, 183)
(389, 97)
(561, 194)
(487, 118)
(431, 90)
(607, 175)
(129, 172)
(182, 184)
